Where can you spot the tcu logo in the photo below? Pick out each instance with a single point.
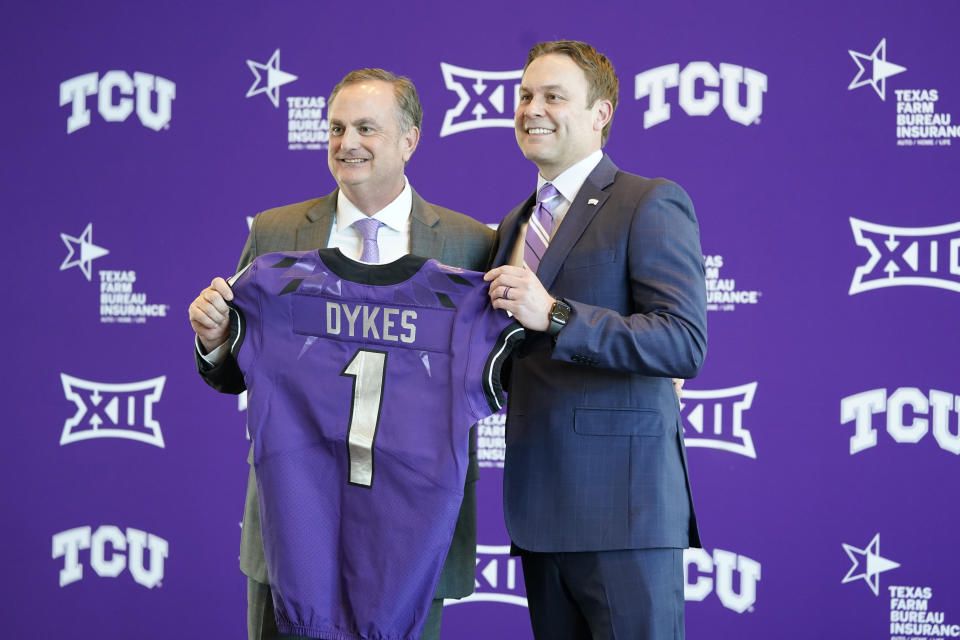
(126, 409)
(105, 545)
(903, 256)
(861, 407)
(655, 82)
(722, 565)
(497, 578)
(75, 91)
(483, 96)
(714, 419)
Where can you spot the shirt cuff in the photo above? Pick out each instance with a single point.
(216, 356)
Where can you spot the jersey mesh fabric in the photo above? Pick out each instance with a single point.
(406, 355)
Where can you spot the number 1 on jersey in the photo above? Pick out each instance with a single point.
(367, 368)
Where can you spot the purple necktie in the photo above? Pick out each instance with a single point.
(539, 228)
(368, 228)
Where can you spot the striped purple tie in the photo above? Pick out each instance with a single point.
(368, 228)
(539, 228)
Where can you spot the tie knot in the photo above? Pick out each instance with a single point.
(547, 192)
(368, 228)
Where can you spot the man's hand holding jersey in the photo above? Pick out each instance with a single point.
(210, 316)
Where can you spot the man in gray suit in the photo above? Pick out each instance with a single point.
(375, 120)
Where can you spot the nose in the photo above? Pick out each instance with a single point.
(349, 140)
(533, 108)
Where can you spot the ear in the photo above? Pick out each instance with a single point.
(602, 113)
(409, 141)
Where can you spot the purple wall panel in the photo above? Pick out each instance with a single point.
(822, 433)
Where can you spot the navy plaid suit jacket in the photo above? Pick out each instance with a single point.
(595, 457)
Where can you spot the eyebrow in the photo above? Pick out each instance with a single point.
(549, 87)
(357, 123)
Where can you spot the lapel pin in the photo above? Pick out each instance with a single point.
(592, 201)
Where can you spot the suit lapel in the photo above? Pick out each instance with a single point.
(590, 199)
(316, 233)
(425, 238)
(510, 228)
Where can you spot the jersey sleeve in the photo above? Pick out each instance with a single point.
(493, 337)
(245, 316)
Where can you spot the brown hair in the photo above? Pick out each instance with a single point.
(601, 77)
(409, 110)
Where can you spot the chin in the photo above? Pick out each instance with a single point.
(532, 151)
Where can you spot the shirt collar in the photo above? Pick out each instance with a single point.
(395, 215)
(569, 182)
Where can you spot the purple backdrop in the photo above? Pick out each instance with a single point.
(817, 141)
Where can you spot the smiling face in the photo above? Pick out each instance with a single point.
(367, 149)
(555, 126)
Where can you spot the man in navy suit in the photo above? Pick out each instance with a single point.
(605, 268)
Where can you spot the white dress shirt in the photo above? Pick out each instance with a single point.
(393, 239)
(568, 185)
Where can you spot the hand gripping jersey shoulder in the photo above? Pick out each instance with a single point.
(363, 381)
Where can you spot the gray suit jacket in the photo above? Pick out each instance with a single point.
(435, 232)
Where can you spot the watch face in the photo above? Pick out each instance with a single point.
(560, 312)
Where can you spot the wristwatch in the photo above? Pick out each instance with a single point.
(559, 314)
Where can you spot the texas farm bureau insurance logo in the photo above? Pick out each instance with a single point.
(714, 419)
(907, 256)
(111, 550)
(307, 125)
(112, 410)
(120, 299)
(722, 291)
(911, 615)
(700, 88)
(491, 442)
(118, 94)
(918, 120)
(908, 414)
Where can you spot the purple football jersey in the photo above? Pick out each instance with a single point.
(363, 382)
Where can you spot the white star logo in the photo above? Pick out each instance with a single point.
(880, 69)
(870, 563)
(88, 252)
(274, 80)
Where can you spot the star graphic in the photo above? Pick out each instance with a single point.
(275, 78)
(870, 570)
(880, 69)
(88, 252)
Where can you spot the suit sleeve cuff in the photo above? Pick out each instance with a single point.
(214, 357)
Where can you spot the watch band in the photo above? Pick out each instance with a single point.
(559, 315)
